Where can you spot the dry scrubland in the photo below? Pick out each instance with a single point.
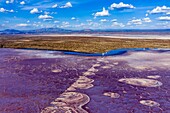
(78, 43)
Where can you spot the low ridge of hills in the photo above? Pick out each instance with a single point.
(67, 31)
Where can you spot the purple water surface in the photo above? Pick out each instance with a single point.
(28, 84)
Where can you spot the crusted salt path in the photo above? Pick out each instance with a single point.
(73, 101)
(83, 83)
(88, 73)
(68, 102)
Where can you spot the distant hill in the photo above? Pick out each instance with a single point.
(36, 31)
(11, 31)
(48, 30)
(86, 31)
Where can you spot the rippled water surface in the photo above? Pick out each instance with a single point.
(121, 81)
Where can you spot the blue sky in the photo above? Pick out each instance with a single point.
(85, 14)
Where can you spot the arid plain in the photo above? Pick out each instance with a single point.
(80, 43)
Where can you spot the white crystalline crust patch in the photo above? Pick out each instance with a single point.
(154, 76)
(145, 60)
(56, 71)
(149, 103)
(40, 53)
(111, 94)
(106, 67)
(141, 82)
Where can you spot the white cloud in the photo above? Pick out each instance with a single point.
(22, 25)
(114, 20)
(9, 1)
(118, 24)
(79, 25)
(11, 11)
(65, 24)
(89, 20)
(91, 24)
(96, 25)
(34, 11)
(2, 10)
(147, 19)
(54, 6)
(135, 21)
(67, 5)
(168, 13)
(104, 12)
(2, 25)
(103, 20)
(139, 21)
(121, 5)
(56, 21)
(22, 3)
(73, 18)
(164, 23)
(53, 13)
(164, 18)
(45, 17)
(158, 9)
(6, 21)
(35, 25)
(46, 13)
